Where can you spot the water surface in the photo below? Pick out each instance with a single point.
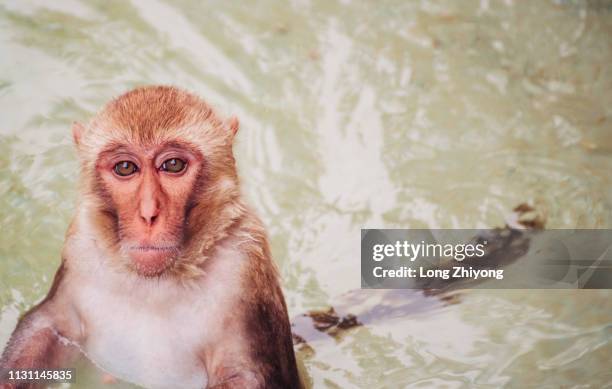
(438, 114)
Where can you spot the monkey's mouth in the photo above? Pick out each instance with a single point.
(152, 260)
(153, 248)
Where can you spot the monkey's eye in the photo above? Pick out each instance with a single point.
(125, 168)
(173, 165)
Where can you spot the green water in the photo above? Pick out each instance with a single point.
(353, 114)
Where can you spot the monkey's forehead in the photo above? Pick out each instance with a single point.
(151, 115)
(149, 109)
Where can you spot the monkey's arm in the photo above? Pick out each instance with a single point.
(44, 337)
(228, 368)
(37, 343)
(254, 351)
(260, 354)
(243, 379)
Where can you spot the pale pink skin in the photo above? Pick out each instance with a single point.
(150, 201)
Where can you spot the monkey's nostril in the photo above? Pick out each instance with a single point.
(150, 220)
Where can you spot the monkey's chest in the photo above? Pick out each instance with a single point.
(152, 349)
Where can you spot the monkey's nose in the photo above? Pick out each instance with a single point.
(149, 211)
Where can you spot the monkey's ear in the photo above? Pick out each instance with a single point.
(233, 125)
(77, 132)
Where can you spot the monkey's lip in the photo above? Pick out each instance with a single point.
(152, 260)
(153, 248)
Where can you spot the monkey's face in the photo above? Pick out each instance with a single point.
(159, 177)
(148, 189)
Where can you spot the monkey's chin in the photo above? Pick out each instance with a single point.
(151, 261)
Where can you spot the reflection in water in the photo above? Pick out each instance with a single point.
(395, 114)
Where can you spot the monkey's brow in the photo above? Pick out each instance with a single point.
(114, 148)
(178, 144)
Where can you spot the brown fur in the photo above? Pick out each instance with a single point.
(271, 337)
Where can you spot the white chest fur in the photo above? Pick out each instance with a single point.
(152, 332)
(143, 342)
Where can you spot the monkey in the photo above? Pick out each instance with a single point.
(166, 277)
